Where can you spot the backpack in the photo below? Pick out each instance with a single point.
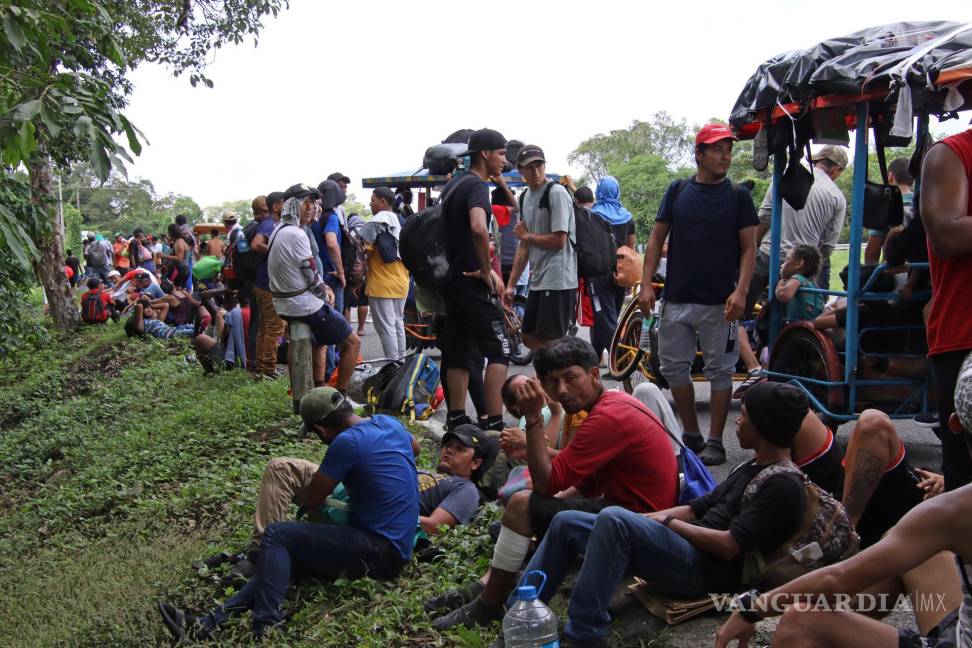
(595, 245)
(424, 242)
(97, 255)
(93, 310)
(825, 535)
(353, 258)
(243, 259)
(410, 388)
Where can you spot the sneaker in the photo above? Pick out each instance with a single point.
(475, 613)
(239, 573)
(713, 453)
(926, 420)
(693, 442)
(181, 625)
(453, 599)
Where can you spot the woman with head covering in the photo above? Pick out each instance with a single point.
(606, 296)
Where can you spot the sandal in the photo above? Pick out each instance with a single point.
(756, 376)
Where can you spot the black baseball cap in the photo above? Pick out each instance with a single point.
(337, 176)
(471, 436)
(301, 191)
(485, 139)
(530, 153)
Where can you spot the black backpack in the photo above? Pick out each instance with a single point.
(93, 308)
(595, 245)
(246, 262)
(353, 258)
(424, 242)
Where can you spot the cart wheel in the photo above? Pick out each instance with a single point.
(798, 352)
(624, 354)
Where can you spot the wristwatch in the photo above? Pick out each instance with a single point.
(745, 604)
(668, 520)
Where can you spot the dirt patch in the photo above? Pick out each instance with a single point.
(266, 433)
(105, 362)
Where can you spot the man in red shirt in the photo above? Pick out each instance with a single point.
(619, 456)
(96, 304)
(946, 210)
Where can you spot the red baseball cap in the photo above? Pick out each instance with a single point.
(711, 133)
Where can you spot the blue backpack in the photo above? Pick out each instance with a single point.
(411, 390)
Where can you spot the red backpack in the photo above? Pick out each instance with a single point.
(93, 309)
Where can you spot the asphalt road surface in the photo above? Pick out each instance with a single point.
(924, 449)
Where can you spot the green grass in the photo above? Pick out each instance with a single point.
(122, 464)
(837, 262)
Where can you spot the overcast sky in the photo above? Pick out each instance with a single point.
(365, 87)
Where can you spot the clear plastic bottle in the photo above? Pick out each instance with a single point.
(530, 623)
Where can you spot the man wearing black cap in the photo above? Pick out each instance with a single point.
(686, 551)
(547, 234)
(343, 181)
(475, 318)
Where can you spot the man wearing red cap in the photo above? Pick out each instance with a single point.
(710, 224)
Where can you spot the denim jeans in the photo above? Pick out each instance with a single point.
(607, 298)
(324, 550)
(615, 542)
(333, 355)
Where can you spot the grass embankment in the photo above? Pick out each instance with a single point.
(122, 464)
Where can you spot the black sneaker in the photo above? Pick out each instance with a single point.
(453, 599)
(181, 625)
(713, 453)
(472, 614)
(693, 442)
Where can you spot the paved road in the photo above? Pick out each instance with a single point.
(923, 447)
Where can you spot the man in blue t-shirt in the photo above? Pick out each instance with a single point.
(271, 326)
(327, 232)
(374, 460)
(710, 224)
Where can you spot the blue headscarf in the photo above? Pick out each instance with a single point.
(607, 205)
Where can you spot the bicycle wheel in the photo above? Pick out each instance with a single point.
(624, 354)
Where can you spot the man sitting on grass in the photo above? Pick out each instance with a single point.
(446, 497)
(374, 459)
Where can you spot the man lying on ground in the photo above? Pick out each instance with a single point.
(686, 551)
(374, 459)
(914, 557)
(619, 456)
(447, 496)
(144, 321)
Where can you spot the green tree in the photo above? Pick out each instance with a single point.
(663, 137)
(214, 213)
(65, 67)
(643, 180)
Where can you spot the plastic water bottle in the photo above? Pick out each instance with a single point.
(530, 623)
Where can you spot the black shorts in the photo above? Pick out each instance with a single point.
(326, 324)
(543, 508)
(354, 297)
(474, 324)
(549, 313)
(896, 494)
(827, 470)
(941, 636)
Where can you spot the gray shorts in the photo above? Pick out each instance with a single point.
(686, 327)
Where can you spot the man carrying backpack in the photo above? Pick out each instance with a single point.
(710, 224)
(98, 256)
(96, 304)
(475, 319)
(547, 234)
